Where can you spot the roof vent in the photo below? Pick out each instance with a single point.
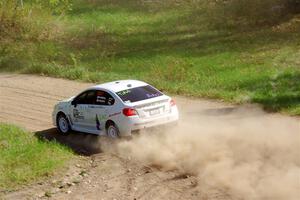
(117, 82)
(129, 85)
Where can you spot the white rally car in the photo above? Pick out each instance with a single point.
(115, 109)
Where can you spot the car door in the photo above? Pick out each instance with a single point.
(99, 112)
(80, 114)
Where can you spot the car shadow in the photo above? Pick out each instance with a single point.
(80, 143)
(219, 111)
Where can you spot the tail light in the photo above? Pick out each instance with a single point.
(172, 102)
(129, 112)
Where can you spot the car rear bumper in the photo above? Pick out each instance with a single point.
(142, 124)
(132, 124)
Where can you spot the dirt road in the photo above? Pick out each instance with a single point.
(218, 151)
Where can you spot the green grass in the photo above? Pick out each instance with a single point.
(171, 46)
(24, 158)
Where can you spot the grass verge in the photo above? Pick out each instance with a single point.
(24, 158)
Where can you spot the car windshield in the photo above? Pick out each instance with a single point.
(139, 94)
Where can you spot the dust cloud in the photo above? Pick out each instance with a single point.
(247, 154)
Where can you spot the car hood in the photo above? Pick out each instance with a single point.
(68, 100)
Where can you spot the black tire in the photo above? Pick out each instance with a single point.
(112, 131)
(63, 124)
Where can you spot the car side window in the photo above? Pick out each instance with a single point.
(81, 98)
(86, 97)
(104, 98)
(90, 97)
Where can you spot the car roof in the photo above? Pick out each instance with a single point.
(120, 85)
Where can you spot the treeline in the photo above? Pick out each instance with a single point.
(242, 13)
(20, 16)
(258, 12)
(24, 26)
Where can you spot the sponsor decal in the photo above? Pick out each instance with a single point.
(98, 123)
(114, 114)
(100, 99)
(77, 114)
(100, 93)
(153, 95)
(123, 93)
(110, 101)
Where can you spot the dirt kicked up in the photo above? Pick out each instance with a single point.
(217, 151)
(249, 158)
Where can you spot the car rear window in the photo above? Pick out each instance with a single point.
(139, 94)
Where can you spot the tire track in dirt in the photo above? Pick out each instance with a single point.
(24, 106)
(14, 113)
(29, 100)
(28, 104)
(31, 93)
(30, 90)
(28, 95)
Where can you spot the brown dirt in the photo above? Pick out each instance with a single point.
(218, 151)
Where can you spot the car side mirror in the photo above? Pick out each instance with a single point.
(74, 103)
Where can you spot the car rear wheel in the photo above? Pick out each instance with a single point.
(63, 124)
(112, 131)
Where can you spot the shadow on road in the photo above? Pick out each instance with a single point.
(81, 143)
(219, 111)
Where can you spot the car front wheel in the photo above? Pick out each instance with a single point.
(63, 124)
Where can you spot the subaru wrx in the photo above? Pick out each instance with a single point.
(115, 109)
